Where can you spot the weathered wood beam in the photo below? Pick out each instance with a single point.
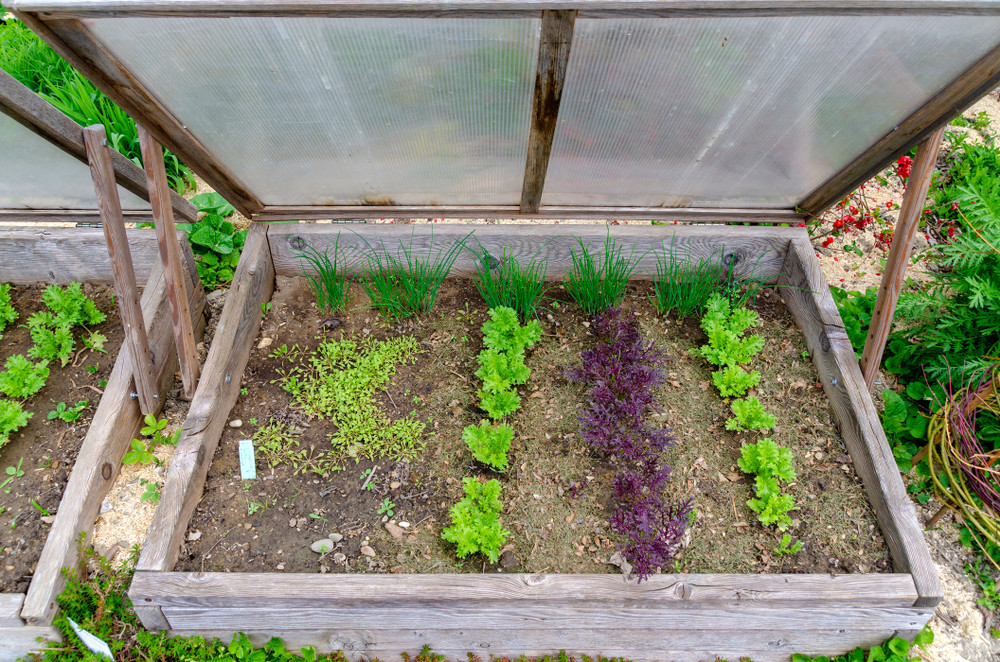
(458, 8)
(553, 58)
(17, 642)
(71, 39)
(170, 259)
(685, 214)
(50, 123)
(955, 97)
(32, 216)
(807, 296)
(894, 274)
(217, 391)
(753, 252)
(116, 421)
(126, 289)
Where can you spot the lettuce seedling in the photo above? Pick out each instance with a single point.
(734, 381)
(770, 463)
(22, 378)
(725, 326)
(489, 444)
(7, 312)
(502, 362)
(476, 520)
(749, 414)
(12, 418)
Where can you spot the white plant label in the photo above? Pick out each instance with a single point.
(96, 646)
(248, 465)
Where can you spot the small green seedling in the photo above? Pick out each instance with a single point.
(67, 413)
(253, 507)
(786, 548)
(319, 516)
(140, 454)
(369, 480)
(92, 369)
(253, 421)
(12, 473)
(38, 507)
(152, 491)
(387, 508)
(243, 390)
(265, 308)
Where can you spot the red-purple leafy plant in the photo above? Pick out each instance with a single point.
(623, 370)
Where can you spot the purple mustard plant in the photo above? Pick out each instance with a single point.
(623, 371)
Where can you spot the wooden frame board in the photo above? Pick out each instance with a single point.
(683, 618)
(117, 419)
(62, 24)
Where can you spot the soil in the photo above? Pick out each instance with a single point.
(556, 509)
(46, 450)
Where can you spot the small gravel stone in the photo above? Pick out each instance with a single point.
(394, 485)
(339, 557)
(264, 342)
(291, 522)
(336, 537)
(394, 530)
(236, 423)
(322, 545)
(405, 525)
(367, 551)
(106, 507)
(194, 535)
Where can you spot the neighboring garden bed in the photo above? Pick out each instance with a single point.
(39, 457)
(557, 495)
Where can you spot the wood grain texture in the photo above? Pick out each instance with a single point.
(751, 250)
(10, 609)
(808, 298)
(32, 216)
(72, 40)
(15, 643)
(686, 214)
(293, 591)
(955, 97)
(554, 46)
(65, 255)
(170, 260)
(226, 8)
(894, 274)
(126, 289)
(116, 421)
(217, 391)
(50, 123)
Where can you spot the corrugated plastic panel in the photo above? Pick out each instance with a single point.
(741, 112)
(346, 111)
(35, 174)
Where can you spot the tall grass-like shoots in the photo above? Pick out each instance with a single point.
(407, 283)
(504, 282)
(597, 285)
(683, 284)
(329, 285)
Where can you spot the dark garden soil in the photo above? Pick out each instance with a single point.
(557, 495)
(46, 450)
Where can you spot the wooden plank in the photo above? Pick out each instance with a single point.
(72, 40)
(685, 214)
(252, 285)
(15, 643)
(99, 155)
(228, 8)
(808, 298)
(50, 123)
(553, 57)
(955, 97)
(64, 255)
(31, 216)
(116, 421)
(10, 609)
(751, 250)
(170, 259)
(293, 590)
(893, 276)
(501, 642)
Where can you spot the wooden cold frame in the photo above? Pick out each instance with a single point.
(668, 617)
(25, 617)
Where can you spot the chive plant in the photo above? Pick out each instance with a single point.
(683, 284)
(597, 285)
(504, 282)
(329, 285)
(407, 283)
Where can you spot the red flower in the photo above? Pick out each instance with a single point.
(904, 165)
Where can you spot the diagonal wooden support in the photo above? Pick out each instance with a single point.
(103, 174)
(170, 257)
(553, 57)
(895, 268)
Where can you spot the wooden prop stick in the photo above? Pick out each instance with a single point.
(553, 56)
(103, 174)
(899, 254)
(170, 257)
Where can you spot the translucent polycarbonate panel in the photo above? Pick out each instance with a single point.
(35, 174)
(742, 112)
(325, 111)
